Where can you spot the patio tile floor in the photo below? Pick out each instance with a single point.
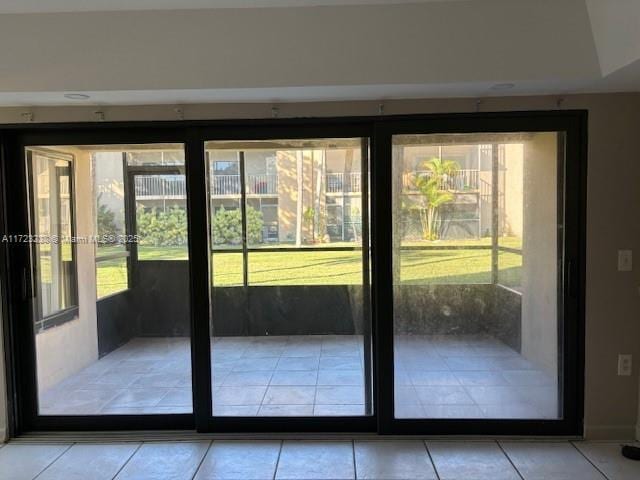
(323, 375)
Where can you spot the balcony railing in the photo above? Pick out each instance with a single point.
(462, 180)
(259, 184)
(344, 182)
(162, 186)
(225, 185)
(262, 184)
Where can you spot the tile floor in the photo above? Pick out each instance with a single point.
(447, 376)
(343, 459)
(322, 375)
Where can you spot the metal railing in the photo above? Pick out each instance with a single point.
(349, 182)
(462, 180)
(262, 184)
(225, 184)
(160, 186)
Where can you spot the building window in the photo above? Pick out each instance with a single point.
(112, 254)
(52, 197)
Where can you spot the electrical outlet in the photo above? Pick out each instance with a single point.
(625, 260)
(624, 365)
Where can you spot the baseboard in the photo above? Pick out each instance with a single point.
(611, 432)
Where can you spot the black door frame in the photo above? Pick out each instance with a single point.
(571, 267)
(287, 130)
(15, 260)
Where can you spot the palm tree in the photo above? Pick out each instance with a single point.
(431, 183)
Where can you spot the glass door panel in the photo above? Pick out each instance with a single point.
(290, 326)
(111, 279)
(476, 292)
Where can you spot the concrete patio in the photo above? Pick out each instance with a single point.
(321, 375)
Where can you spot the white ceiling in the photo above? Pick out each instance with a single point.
(53, 6)
(411, 49)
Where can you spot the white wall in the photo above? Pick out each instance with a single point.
(66, 349)
(427, 43)
(616, 30)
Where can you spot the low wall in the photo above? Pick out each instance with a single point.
(288, 310)
(159, 306)
(458, 310)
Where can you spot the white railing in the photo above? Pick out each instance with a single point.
(349, 182)
(225, 184)
(158, 186)
(262, 184)
(462, 180)
(259, 184)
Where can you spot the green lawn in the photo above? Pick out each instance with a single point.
(442, 266)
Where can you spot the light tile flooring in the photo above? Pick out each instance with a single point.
(343, 459)
(465, 376)
(322, 375)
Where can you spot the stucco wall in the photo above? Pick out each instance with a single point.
(66, 349)
(539, 244)
(512, 189)
(612, 300)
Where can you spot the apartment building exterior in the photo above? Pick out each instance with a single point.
(329, 183)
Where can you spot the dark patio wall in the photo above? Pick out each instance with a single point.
(458, 310)
(117, 321)
(159, 306)
(288, 310)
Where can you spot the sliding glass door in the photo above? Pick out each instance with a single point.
(108, 289)
(290, 324)
(477, 226)
(395, 275)
(481, 294)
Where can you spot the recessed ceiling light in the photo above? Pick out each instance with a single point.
(76, 96)
(503, 86)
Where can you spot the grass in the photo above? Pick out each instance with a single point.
(417, 267)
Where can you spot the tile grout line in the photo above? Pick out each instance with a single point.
(588, 460)
(275, 470)
(504, 452)
(433, 464)
(128, 460)
(202, 459)
(54, 460)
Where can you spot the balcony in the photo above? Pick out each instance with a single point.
(461, 181)
(343, 182)
(160, 187)
(174, 186)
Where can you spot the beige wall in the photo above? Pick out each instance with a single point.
(612, 302)
(66, 349)
(512, 187)
(539, 244)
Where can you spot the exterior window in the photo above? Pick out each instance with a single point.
(226, 167)
(112, 255)
(51, 189)
(159, 203)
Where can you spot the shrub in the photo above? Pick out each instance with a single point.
(162, 228)
(226, 226)
(106, 219)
